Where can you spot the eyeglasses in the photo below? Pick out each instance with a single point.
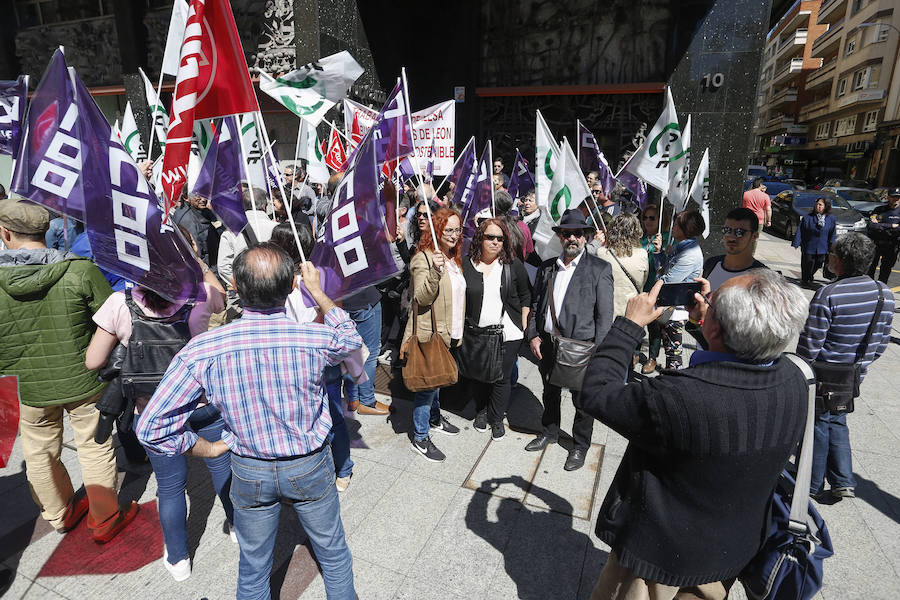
(737, 232)
(493, 238)
(567, 234)
(421, 215)
(649, 218)
(454, 231)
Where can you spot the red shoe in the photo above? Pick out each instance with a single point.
(116, 524)
(74, 513)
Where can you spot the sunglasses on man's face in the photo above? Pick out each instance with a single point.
(567, 234)
(737, 232)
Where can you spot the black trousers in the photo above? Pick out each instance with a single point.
(809, 264)
(494, 397)
(887, 254)
(583, 426)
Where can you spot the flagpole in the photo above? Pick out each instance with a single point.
(416, 157)
(297, 151)
(491, 162)
(578, 144)
(153, 116)
(247, 170)
(261, 126)
(340, 133)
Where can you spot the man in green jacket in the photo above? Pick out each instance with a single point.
(47, 299)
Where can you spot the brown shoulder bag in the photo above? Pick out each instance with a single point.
(429, 365)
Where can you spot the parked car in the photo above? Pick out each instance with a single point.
(773, 186)
(865, 201)
(855, 183)
(756, 171)
(798, 184)
(789, 206)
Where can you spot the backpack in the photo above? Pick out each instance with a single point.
(154, 343)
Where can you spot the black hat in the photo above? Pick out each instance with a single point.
(573, 220)
(894, 191)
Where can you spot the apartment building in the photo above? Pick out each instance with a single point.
(847, 94)
(787, 59)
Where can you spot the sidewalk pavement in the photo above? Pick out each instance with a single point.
(492, 521)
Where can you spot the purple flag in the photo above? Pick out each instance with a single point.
(462, 175)
(407, 171)
(12, 112)
(482, 193)
(227, 199)
(590, 158)
(521, 181)
(204, 183)
(636, 185)
(356, 251)
(49, 159)
(391, 132)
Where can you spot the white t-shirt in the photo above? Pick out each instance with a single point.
(560, 285)
(458, 299)
(492, 304)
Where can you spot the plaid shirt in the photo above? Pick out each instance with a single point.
(264, 373)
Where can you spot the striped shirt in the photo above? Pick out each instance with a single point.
(264, 373)
(839, 315)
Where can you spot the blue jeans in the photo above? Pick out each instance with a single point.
(339, 437)
(171, 481)
(426, 410)
(368, 324)
(831, 453)
(257, 489)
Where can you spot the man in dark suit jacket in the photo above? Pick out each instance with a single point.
(582, 288)
(688, 506)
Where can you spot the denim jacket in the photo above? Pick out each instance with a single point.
(685, 263)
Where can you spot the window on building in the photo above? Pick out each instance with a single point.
(861, 78)
(845, 126)
(823, 130)
(850, 48)
(842, 87)
(871, 121)
(857, 5)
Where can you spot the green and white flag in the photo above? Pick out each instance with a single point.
(680, 168)
(568, 189)
(700, 189)
(311, 151)
(157, 111)
(253, 152)
(310, 91)
(200, 143)
(131, 136)
(545, 160)
(651, 161)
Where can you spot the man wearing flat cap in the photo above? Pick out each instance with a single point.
(47, 299)
(573, 298)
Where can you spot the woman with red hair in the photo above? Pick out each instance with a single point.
(437, 287)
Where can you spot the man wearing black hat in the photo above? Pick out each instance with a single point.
(579, 288)
(884, 229)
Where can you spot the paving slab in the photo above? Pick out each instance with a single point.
(505, 468)
(574, 491)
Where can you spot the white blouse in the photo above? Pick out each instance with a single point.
(458, 297)
(492, 304)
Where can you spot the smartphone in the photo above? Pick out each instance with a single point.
(678, 294)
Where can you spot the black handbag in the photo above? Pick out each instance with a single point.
(837, 384)
(480, 355)
(571, 356)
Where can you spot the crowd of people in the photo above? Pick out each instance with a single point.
(257, 383)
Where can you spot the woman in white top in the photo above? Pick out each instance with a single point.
(498, 293)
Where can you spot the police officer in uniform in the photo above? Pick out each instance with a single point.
(884, 229)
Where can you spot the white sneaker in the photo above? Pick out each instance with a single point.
(342, 483)
(231, 532)
(180, 570)
(385, 358)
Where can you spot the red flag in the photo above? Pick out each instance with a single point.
(9, 416)
(212, 81)
(355, 132)
(335, 157)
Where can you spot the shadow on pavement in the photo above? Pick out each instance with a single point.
(869, 492)
(543, 554)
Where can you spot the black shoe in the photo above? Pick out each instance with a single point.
(444, 426)
(427, 449)
(539, 443)
(481, 423)
(575, 460)
(497, 431)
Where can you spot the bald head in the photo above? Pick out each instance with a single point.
(263, 276)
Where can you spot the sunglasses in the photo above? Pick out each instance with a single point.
(421, 215)
(595, 192)
(737, 232)
(649, 218)
(567, 234)
(493, 238)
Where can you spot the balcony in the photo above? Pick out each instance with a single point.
(831, 38)
(788, 71)
(779, 120)
(815, 109)
(831, 11)
(784, 97)
(821, 76)
(793, 44)
(861, 96)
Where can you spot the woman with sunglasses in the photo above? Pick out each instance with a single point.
(437, 287)
(653, 242)
(815, 236)
(498, 300)
(685, 262)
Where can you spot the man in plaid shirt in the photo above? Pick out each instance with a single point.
(264, 372)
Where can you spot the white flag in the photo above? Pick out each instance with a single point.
(311, 151)
(680, 168)
(651, 161)
(117, 130)
(172, 54)
(546, 159)
(310, 91)
(253, 160)
(700, 189)
(157, 111)
(568, 189)
(131, 136)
